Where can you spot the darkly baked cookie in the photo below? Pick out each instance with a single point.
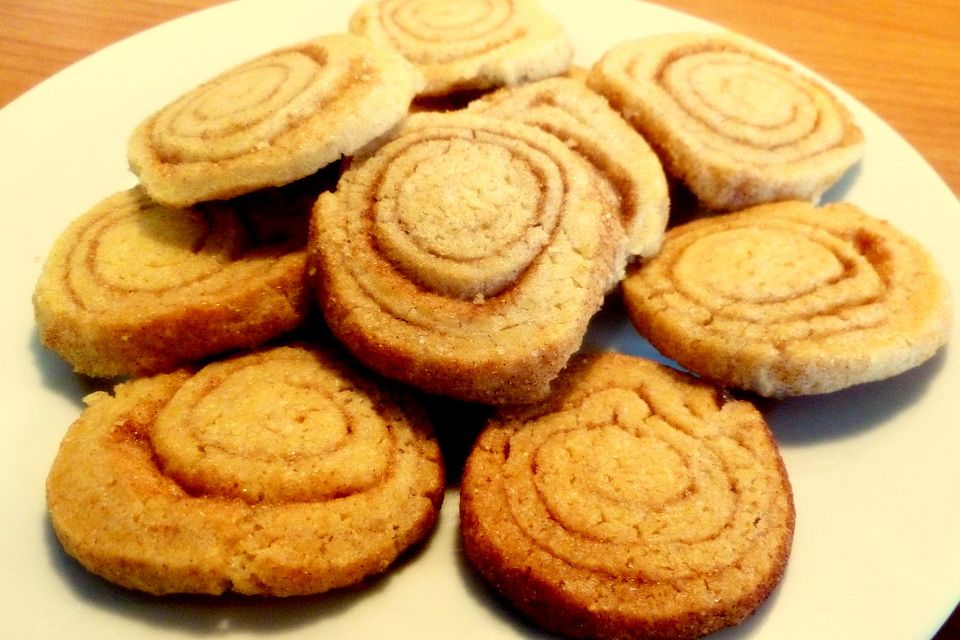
(635, 502)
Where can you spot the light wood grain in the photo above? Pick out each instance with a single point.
(901, 58)
(40, 37)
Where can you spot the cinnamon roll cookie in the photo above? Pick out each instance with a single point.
(790, 299)
(282, 472)
(634, 502)
(629, 173)
(735, 125)
(272, 120)
(469, 44)
(465, 256)
(134, 287)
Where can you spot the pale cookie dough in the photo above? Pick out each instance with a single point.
(790, 299)
(735, 125)
(272, 120)
(468, 44)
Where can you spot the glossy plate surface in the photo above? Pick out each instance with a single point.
(874, 469)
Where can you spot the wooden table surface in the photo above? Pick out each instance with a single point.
(900, 58)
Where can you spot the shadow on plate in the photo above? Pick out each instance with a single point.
(59, 377)
(199, 615)
(815, 419)
(492, 601)
(611, 330)
(456, 425)
(800, 420)
(840, 189)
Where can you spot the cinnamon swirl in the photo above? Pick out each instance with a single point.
(282, 472)
(790, 299)
(634, 502)
(465, 256)
(133, 287)
(272, 120)
(628, 171)
(735, 125)
(469, 44)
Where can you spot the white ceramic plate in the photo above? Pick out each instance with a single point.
(874, 469)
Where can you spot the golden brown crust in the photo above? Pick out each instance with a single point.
(730, 121)
(635, 502)
(243, 477)
(465, 256)
(471, 44)
(133, 287)
(303, 108)
(629, 173)
(790, 299)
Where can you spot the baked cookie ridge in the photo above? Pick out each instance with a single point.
(635, 502)
(729, 120)
(272, 120)
(791, 299)
(472, 44)
(465, 256)
(242, 477)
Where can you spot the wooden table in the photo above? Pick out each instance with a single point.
(901, 59)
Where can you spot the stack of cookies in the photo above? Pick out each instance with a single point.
(434, 203)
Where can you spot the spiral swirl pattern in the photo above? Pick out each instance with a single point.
(315, 437)
(738, 126)
(280, 472)
(272, 120)
(133, 287)
(472, 248)
(789, 299)
(444, 32)
(229, 116)
(471, 44)
(629, 174)
(636, 494)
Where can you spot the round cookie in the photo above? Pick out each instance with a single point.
(634, 502)
(465, 256)
(469, 44)
(282, 472)
(134, 287)
(629, 173)
(272, 120)
(735, 125)
(790, 299)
